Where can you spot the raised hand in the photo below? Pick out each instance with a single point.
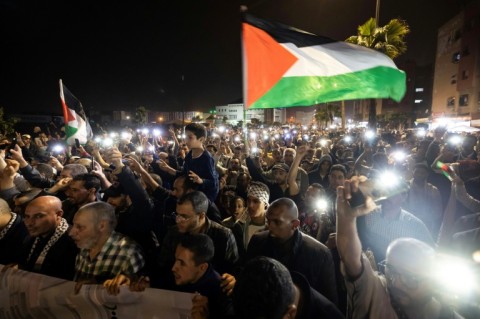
(134, 165)
(302, 150)
(17, 154)
(344, 195)
(195, 178)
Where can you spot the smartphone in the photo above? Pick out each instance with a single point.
(92, 164)
(77, 143)
(379, 188)
(11, 146)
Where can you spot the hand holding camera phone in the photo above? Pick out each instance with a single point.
(379, 188)
(10, 146)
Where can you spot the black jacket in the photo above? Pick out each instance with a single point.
(10, 243)
(307, 256)
(137, 221)
(219, 304)
(314, 304)
(60, 259)
(224, 259)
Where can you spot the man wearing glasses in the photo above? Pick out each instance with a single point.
(405, 291)
(190, 217)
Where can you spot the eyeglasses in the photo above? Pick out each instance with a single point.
(410, 280)
(182, 218)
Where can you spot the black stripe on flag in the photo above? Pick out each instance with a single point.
(285, 34)
(73, 103)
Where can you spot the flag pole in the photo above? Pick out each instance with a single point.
(64, 107)
(243, 10)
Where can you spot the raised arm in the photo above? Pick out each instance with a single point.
(99, 158)
(348, 242)
(28, 172)
(146, 177)
(293, 187)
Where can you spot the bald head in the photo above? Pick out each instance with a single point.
(288, 207)
(4, 208)
(43, 215)
(282, 219)
(411, 255)
(48, 203)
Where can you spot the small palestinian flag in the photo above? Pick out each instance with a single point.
(286, 67)
(76, 123)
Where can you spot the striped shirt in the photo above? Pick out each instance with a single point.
(379, 232)
(119, 255)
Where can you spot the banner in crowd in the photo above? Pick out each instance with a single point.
(285, 67)
(29, 295)
(76, 122)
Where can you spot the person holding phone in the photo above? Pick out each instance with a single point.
(405, 290)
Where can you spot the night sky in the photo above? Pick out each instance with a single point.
(120, 55)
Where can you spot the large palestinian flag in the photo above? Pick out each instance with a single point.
(286, 67)
(76, 123)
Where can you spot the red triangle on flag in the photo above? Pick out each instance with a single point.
(71, 117)
(267, 61)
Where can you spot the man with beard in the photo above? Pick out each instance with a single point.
(405, 291)
(280, 186)
(81, 190)
(133, 208)
(106, 257)
(284, 242)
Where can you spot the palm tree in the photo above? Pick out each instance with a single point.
(326, 113)
(7, 123)
(197, 118)
(389, 39)
(141, 115)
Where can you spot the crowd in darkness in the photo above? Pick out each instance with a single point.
(270, 222)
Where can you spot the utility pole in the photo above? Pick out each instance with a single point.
(183, 106)
(377, 13)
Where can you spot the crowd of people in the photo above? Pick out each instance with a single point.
(268, 222)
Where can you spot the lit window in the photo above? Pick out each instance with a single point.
(451, 101)
(463, 100)
(453, 79)
(456, 57)
(418, 89)
(418, 101)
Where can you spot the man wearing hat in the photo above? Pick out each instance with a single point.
(254, 221)
(279, 186)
